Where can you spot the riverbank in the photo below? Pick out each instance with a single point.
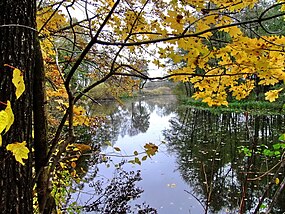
(253, 107)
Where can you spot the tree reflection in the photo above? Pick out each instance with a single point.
(139, 118)
(115, 197)
(206, 147)
(128, 118)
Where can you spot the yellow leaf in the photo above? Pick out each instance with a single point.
(18, 81)
(62, 165)
(277, 181)
(3, 120)
(272, 95)
(10, 116)
(19, 150)
(0, 140)
(82, 147)
(150, 149)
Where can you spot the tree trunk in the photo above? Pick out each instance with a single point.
(17, 39)
(40, 133)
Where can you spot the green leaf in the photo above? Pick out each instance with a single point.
(282, 137)
(267, 152)
(136, 153)
(276, 146)
(277, 153)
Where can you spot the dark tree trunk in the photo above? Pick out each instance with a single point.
(40, 134)
(17, 39)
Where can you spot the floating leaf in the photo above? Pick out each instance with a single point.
(19, 150)
(150, 149)
(18, 81)
(144, 158)
(138, 161)
(117, 149)
(10, 116)
(131, 161)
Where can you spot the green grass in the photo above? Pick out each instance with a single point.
(254, 107)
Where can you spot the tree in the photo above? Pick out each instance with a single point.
(110, 45)
(18, 48)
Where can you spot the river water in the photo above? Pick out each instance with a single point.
(199, 166)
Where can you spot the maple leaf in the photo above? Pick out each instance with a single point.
(18, 81)
(19, 150)
(272, 95)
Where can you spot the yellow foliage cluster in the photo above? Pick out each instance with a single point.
(215, 72)
(231, 69)
(19, 150)
(49, 22)
(238, 64)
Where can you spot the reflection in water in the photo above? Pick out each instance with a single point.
(198, 170)
(130, 118)
(206, 148)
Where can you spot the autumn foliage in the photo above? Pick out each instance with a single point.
(112, 43)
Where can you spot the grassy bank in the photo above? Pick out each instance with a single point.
(253, 107)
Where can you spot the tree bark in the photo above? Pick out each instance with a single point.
(17, 40)
(40, 132)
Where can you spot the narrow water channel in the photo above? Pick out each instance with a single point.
(199, 167)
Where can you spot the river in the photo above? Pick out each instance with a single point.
(199, 166)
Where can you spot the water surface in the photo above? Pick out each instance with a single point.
(198, 167)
